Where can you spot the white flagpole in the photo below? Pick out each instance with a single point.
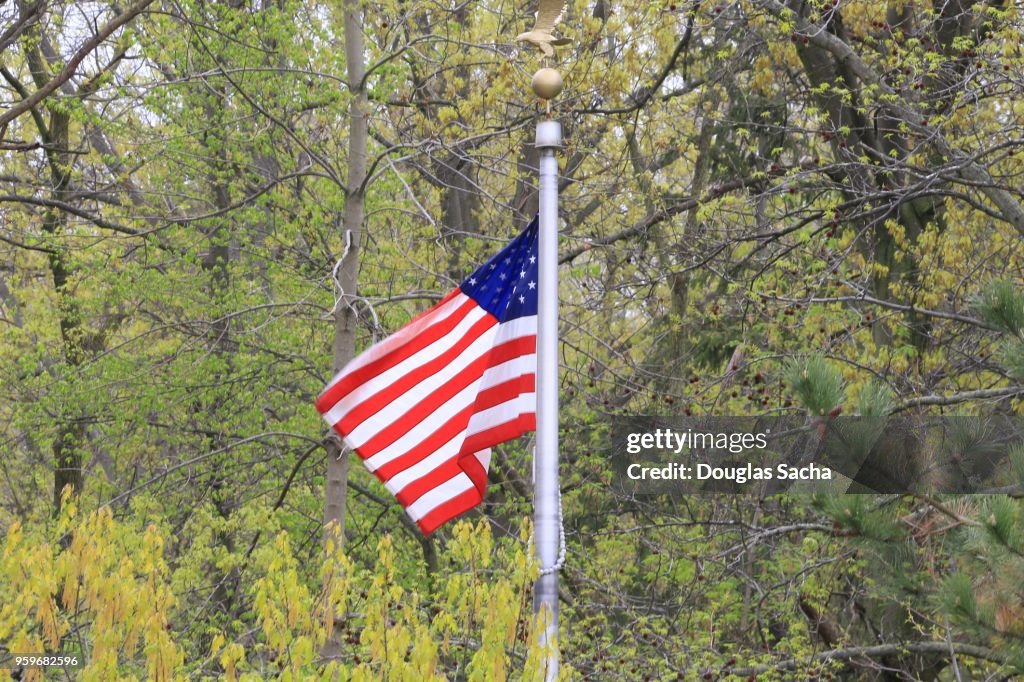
(546, 497)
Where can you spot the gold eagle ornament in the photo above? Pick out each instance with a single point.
(549, 12)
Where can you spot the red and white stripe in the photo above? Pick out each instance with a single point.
(423, 407)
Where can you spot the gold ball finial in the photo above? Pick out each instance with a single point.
(547, 83)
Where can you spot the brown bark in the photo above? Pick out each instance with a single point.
(345, 319)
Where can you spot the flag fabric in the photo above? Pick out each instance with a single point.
(424, 407)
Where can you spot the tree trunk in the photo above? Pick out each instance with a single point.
(67, 445)
(345, 319)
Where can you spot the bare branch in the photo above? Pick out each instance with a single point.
(69, 69)
(878, 651)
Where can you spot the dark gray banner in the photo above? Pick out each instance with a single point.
(763, 456)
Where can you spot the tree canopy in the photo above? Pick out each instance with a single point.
(767, 208)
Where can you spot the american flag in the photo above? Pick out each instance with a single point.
(424, 407)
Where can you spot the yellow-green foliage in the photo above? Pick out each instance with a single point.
(108, 593)
(107, 589)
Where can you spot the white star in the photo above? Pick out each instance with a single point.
(522, 300)
(507, 261)
(492, 266)
(522, 273)
(533, 259)
(533, 285)
(502, 276)
(472, 281)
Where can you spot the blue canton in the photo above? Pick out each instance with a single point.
(506, 285)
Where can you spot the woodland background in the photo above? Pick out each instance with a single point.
(767, 208)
